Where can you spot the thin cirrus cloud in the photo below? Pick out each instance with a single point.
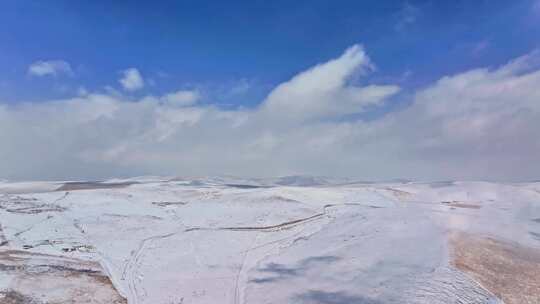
(49, 68)
(408, 15)
(131, 80)
(478, 124)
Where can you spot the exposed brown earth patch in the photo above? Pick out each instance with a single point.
(508, 270)
(13, 297)
(457, 204)
(399, 194)
(276, 227)
(41, 278)
(3, 239)
(166, 204)
(72, 186)
(280, 198)
(24, 205)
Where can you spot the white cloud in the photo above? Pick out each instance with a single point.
(325, 91)
(182, 97)
(479, 124)
(131, 80)
(50, 67)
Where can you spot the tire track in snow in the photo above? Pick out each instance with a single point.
(240, 289)
(131, 271)
(132, 267)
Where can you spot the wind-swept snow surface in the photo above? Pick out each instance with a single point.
(291, 240)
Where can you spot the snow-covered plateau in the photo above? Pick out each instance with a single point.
(288, 240)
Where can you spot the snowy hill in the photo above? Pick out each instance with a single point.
(286, 240)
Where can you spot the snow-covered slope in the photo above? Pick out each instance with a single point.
(288, 240)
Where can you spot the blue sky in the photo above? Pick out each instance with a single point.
(219, 43)
(365, 89)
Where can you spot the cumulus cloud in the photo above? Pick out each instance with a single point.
(50, 67)
(182, 97)
(479, 124)
(325, 91)
(131, 80)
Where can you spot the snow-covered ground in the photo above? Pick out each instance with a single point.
(288, 240)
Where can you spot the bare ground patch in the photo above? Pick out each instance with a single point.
(25, 205)
(508, 270)
(167, 204)
(3, 239)
(13, 297)
(399, 194)
(72, 186)
(457, 204)
(40, 278)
